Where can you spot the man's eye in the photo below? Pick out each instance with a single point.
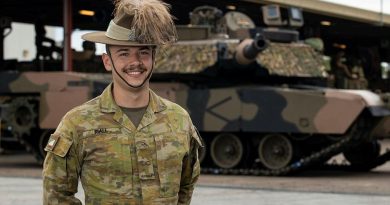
(123, 54)
(144, 52)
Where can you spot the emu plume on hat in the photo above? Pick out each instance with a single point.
(138, 23)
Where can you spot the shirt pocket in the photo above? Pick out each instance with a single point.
(107, 162)
(171, 149)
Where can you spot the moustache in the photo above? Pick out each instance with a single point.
(139, 68)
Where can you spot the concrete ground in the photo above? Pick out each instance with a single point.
(21, 183)
(18, 190)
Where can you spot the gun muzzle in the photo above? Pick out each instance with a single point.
(248, 49)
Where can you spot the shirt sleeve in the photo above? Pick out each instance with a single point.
(191, 169)
(60, 170)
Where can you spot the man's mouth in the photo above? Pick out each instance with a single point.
(133, 72)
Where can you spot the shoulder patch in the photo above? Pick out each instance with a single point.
(52, 142)
(58, 145)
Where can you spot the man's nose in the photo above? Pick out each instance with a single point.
(135, 60)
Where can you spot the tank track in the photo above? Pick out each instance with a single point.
(344, 166)
(304, 162)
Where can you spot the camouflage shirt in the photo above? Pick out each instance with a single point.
(117, 163)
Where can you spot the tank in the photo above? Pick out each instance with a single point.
(260, 100)
(257, 96)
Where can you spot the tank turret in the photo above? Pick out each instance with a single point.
(212, 40)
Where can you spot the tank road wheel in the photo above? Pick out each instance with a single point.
(275, 151)
(22, 116)
(362, 156)
(226, 150)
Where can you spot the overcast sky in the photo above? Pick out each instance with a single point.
(372, 5)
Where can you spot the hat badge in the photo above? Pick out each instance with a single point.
(132, 34)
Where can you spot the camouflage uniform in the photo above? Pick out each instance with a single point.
(155, 163)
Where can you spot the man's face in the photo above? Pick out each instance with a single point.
(133, 64)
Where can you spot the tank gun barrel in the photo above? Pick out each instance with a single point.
(248, 49)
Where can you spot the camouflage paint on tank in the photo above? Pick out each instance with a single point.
(186, 57)
(293, 59)
(212, 109)
(58, 92)
(6, 78)
(54, 104)
(168, 90)
(340, 111)
(268, 109)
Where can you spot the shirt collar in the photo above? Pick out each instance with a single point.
(108, 104)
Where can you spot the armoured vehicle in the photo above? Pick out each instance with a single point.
(262, 105)
(256, 95)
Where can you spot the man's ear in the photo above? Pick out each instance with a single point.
(107, 62)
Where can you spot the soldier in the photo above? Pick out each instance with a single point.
(341, 71)
(128, 145)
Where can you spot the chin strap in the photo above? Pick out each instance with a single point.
(128, 84)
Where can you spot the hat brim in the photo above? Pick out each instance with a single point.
(100, 37)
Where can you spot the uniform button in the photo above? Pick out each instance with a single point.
(145, 163)
(142, 145)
